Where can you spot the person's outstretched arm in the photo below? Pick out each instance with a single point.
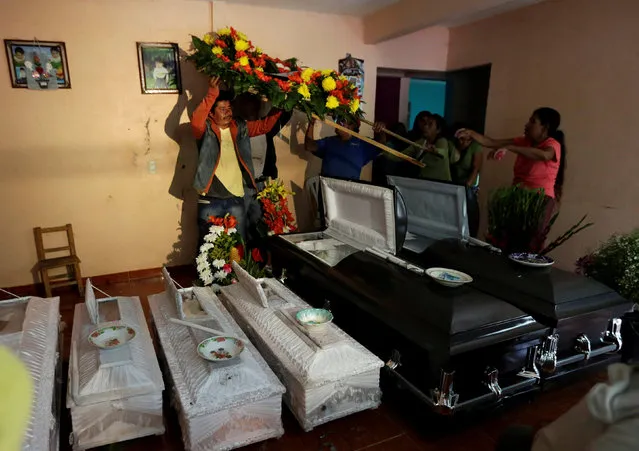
(201, 113)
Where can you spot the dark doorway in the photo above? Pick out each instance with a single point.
(467, 96)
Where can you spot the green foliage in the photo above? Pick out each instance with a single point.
(616, 264)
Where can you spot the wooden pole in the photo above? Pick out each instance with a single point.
(372, 142)
(407, 141)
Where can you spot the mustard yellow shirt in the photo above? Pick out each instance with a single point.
(228, 169)
(16, 391)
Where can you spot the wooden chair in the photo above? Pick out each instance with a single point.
(71, 262)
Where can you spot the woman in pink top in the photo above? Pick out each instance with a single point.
(541, 152)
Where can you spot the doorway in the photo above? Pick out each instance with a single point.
(460, 96)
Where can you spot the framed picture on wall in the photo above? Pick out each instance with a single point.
(159, 68)
(37, 64)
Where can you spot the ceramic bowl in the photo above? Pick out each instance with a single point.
(111, 337)
(313, 317)
(449, 277)
(532, 260)
(220, 349)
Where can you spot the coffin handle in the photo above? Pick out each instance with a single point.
(612, 336)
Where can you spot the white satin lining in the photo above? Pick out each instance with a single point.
(364, 213)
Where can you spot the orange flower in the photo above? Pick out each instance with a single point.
(295, 78)
(229, 222)
(284, 85)
(220, 43)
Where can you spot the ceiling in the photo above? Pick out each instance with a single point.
(344, 7)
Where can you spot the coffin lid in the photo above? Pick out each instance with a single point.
(548, 294)
(362, 213)
(98, 375)
(315, 357)
(435, 210)
(91, 302)
(202, 386)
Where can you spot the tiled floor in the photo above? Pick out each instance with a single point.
(392, 427)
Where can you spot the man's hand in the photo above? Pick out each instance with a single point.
(379, 127)
(215, 83)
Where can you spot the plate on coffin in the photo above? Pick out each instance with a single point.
(449, 277)
(314, 317)
(532, 260)
(111, 337)
(220, 349)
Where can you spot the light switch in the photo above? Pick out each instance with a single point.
(152, 168)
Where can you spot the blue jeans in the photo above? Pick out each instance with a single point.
(246, 210)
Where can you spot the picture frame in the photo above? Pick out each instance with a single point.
(44, 61)
(159, 64)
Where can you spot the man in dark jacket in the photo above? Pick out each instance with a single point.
(225, 178)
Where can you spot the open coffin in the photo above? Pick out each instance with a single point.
(481, 340)
(327, 374)
(223, 405)
(115, 394)
(583, 314)
(29, 326)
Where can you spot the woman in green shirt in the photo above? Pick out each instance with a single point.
(466, 163)
(432, 127)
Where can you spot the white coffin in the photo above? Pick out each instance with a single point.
(30, 327)
(220, 406)
(114, 395)
(327, 374)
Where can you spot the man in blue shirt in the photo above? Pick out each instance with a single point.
(343, 155)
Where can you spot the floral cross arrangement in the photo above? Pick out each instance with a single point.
(277, 216)
(222, 246)
(229, 54)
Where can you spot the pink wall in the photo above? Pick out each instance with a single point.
(580, 57)
(82, 155)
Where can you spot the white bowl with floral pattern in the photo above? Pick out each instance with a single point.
(220, 349)
(111, 337)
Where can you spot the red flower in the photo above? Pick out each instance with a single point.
(296, 78)
(240, 250)
(284, 85)
(229, 222)
(220, 43)
(256, 256)
(227, 268)
(240, 54)
(226, 59)
(220, 339)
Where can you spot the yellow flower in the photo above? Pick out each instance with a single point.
(303, 90)
(217, 50)
(259, 69)
(241, 35)
(224, 32)
(343, 78)
(241, 45)
(307, 74)
(332, 102)
(244, 61)
(208, 38)
(234, 255)
(329, 84)
(327, 72)
(258, 50)
(354, 105)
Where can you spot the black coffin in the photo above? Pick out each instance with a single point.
(506, 333)
(404, 317)
(583, 313)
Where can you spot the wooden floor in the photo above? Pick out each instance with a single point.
(392, 427)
